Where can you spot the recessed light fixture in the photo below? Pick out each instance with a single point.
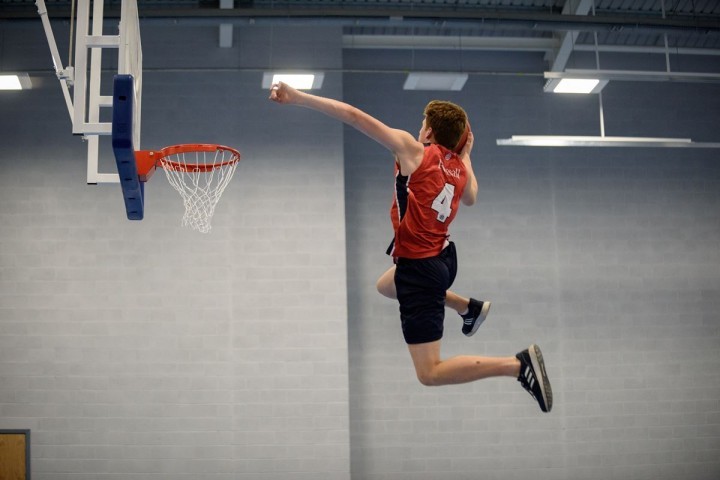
(301, 81)
(18, 81)
(575, 85)
(435, 81)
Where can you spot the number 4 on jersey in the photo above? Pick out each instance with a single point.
(443, 202)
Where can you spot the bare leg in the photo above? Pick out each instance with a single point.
(386, 286)
(432, 371)
(456, 302)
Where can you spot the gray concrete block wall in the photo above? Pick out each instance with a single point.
(138, 360)
(607, 258)
(146, 350)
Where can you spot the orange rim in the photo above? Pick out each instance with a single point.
(194, 148)
(148, 160)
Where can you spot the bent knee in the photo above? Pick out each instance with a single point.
(428, 379)
(385, 289)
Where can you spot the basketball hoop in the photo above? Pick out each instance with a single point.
(199, 173)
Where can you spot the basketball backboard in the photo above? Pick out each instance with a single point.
(124, 138)
(199, 172)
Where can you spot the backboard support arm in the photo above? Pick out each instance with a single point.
(64, 75)
(85, 77)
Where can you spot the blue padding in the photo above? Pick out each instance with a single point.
(122, 144)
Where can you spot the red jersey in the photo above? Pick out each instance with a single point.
(426, 202)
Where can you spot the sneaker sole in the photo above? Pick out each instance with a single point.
(539, 366)
(483, 315)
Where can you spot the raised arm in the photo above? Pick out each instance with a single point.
(471, 189)
(407, 149)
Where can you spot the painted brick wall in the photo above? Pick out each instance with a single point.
(145, 350)
(607, 258)
(128, 357)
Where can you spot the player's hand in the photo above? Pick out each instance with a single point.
(468, 145)
(283, 93)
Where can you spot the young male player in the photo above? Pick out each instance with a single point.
(431, 180)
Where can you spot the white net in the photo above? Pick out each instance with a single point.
(200, 177)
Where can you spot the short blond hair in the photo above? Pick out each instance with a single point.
(447, 120)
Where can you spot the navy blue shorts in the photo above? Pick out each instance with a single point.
(421, 286)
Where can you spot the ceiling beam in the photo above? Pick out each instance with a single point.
(470, 17)
(443, 42)
(561, 55)
(502, 44)
(646, 49)
(225, 30)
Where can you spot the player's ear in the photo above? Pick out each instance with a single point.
(428, 135)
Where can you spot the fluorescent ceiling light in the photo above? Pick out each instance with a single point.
(637, 75)
(435, 81)
(589, 141)
(575, 85)
(301, 81)
(19, 81)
